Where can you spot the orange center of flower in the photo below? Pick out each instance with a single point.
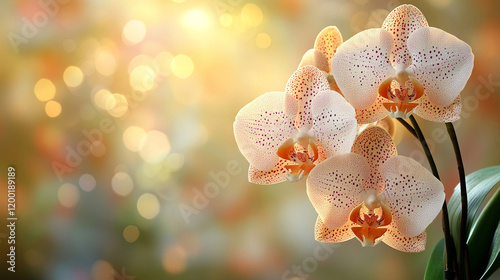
(304, 157)
(370, 222)
(402, 91)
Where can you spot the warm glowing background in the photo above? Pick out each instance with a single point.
(140, 97)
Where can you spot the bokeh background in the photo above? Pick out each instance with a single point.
(117, 114)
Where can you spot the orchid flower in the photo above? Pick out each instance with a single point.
(283, 135)
(325, 46)
(374, 195)
(403, 67)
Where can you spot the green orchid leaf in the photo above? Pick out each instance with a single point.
(483, 238)
(435, 265)
(494, 262)
(479, 185)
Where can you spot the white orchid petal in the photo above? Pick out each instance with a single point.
(315, 58)
(327, 42)
(434, 113)
(401, 22)
(441, 62)
(334, 123)
(361, 64)
(376, 146)
(334, 187)
(413, 194)
(304, 85)
(262, 126)
(324, 234)
(373, 113)
(268, 177)
(394, 238)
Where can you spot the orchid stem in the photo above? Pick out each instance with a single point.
(408, 127)
(451, 259)
(464, 268)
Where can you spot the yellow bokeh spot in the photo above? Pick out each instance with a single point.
(148, 206)
(174, 259)
(53, 109)
(263, 40)
(122, 184)
(196, 20)
(44, 90)
(182, 66)
(226, 20)
(251, 15)
(154, 146)
(142, 78)
(101, 97)
(73, 76)
(68, 195)
(134, 32)
(131, 233)
(105, 63)
(132, 137)
(117, 105)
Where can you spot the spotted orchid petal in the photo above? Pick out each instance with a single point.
(441, 62)
(323, 233)
(376, 146)
(434, 113)
(304, 85)
(401, 23)
(395, 239)
(269, 177)
(413, 194)
(327, 42)
(334, 123)
(373, 113)
(361, 64)
(334, 187)
(262, 126)
(388, 124)
(315, 58)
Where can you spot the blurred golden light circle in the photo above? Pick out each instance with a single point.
(154, 146)
(139, 60)
(122, 184)
(102, 270)
(175, 161)
(148, 206)
(105, 63)
(196, 20)
(182, 66)
(68, 195)
(132, 137)
(134, 32)
(174, 259)
(87, 182)
(101, 97)
(251, 15)
(263, 40)
(117, 105)
(226, 20)
(53, 109)
(131, 233)
(142, 78)
(44, 90)
(73, 76)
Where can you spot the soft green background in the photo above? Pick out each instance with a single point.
(245, 231)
